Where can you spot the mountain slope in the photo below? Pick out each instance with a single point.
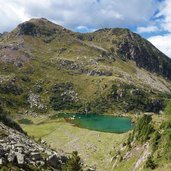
(45, 66)
(127, 45)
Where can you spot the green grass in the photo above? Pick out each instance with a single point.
(95, 148)
(126, 165)
(44, 58)
(42, 68)
(41, 129)
(25, 121)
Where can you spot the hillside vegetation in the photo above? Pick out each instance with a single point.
(45, 67)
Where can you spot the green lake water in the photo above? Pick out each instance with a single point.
(102, 123)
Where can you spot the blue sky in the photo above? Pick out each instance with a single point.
(149, 18)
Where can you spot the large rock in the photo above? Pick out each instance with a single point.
(2, 161)
(11, 157)
(35, 156)
(20, 158)
(54, 161)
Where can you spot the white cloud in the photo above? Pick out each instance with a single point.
(82, 27)
(85, 29)
(163, 43)
(11, 15)
(148, 29)
(71, 14)
(166, 13)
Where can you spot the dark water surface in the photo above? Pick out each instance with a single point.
(102, 123)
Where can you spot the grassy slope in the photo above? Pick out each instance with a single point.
(95, 148)
(44, 65)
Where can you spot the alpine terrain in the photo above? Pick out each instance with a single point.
(46, 70)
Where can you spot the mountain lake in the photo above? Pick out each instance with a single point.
(102, 123)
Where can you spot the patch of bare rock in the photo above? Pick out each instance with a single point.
(18, 149)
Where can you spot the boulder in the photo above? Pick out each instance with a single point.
(11, 157)
(43, 141)
(54, 161)
(40, 163)
(19, 150)
(35, 156)
(20, 158)
(2, 161)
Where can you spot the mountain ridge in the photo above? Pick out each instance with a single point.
(105, 62)
(132, 47)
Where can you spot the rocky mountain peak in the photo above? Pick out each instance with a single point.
(129, 46)
(39, 27)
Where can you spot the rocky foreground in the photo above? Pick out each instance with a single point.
(19, 150)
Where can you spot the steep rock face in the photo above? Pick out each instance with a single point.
(130, 46)
(145, 55)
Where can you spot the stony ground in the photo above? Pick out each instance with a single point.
(18, 149)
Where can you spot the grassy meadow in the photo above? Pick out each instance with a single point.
(95, 148)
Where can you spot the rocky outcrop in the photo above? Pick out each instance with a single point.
(145, 55)
(18, 149)
(99, 73)
(127, 45)
(9, 54)
(30, 28)
(131, 99)
(80, 67)
(64, 96)
(35, 101)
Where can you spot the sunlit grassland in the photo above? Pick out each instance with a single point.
(95, 148)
